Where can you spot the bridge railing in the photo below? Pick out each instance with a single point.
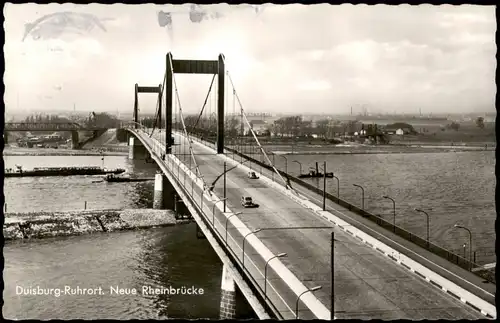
(455, 284)
(195, 187)
(49, 126)
(407, 235)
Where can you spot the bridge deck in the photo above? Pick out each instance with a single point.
(367, 284)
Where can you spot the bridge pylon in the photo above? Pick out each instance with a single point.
(182, 66)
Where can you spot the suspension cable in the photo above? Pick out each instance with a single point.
(205, 187)
(253, 133)
(204, 104)
(160, 97)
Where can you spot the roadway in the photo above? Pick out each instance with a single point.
(368, 285)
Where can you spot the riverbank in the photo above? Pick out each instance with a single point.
(21, 151)
(351, 149)
(38, 225)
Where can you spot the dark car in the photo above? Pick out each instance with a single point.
(246, 201)
(252, 175)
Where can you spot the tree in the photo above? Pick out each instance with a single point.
(454, 125)
(480, 122)
(322, 127)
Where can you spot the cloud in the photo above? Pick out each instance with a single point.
(438, 58)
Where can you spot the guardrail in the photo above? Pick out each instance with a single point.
(429, 275)
(286, 276)
(419, 241)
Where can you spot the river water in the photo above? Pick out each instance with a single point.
(452, 187)
(163, 257)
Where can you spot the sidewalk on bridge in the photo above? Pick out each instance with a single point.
(389, 238)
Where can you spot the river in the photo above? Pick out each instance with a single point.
(163, 257)
(451, 187)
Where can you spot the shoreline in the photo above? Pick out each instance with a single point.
(9, 151)
(371, 150)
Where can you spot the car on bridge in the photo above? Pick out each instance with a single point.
(247, 202)
(252, 175)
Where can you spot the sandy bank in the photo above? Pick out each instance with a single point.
(51, 224)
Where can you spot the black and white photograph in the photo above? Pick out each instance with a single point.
(249, 161)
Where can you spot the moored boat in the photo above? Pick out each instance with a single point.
(60, 171)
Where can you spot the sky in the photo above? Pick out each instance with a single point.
(288, 58)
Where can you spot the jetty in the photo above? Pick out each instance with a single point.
(36, 225)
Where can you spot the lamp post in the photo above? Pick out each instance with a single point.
(243, 248)
(427, 216)
(227, 220)
(362, 196)
(324, 185)
(265, 271)
(338, 186)
(213, 211)
(470, 242)
(300, 165)
(393, 211)
(286, 163)
(298, 298)
(273, 166)
(225, 198)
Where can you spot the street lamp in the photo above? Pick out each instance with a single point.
(265, 271)
(298, 298)
(286, 163)
(470, 242)
(213, 210)
(227, 220)
(338, 186)
(300, 165)
(427, 215)
(362, 196)
(393, 211)
(324, 185)
(243, 248)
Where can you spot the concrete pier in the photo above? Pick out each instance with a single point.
(161, 188)
(6, 137)
(74, 140)
(132, 147)
(228, 296)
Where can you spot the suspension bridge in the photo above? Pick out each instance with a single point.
(288, 257)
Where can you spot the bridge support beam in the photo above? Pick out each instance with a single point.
(228, 295)
(161, 182)
(74, 140)
(6, 137)
(133, 147)
(220, 105)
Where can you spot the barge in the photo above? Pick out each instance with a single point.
(315, 173)
(60, 171)
(110, 178)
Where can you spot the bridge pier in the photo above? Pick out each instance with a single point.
(161, 187)
(133, 147)
(74, 139)
(5, 138)
(228, 296)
